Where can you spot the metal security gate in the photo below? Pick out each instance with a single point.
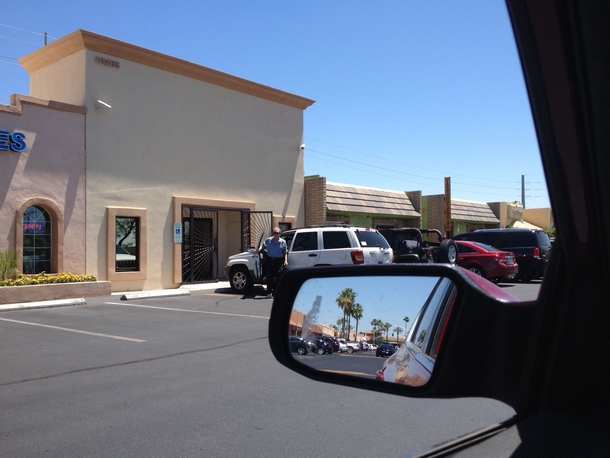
(199, 244)
(255, 224)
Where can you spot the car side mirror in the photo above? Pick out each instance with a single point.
(444, 320)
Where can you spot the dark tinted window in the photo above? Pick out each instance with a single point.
(371, 239)
(518, 239)
(127, 240)
(335, 239)
(305, 241)
(543, 238)
(287, 236)
(465, 249)
(486, 247)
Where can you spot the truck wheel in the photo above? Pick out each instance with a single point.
(241, 281)
(448, 252)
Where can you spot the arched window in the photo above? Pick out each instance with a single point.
(37, 246)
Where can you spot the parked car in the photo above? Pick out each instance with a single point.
(385, 350)
(323, 346)
(545, 358)
(333, 342)
(311, 345)
(486, 261)
(411, 244)
(532, 247)
(412, 363)
(312, 246)
(352, 346)
(347, 346)
(298, 345)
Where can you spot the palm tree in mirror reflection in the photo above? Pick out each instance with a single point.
(357, 312)
(377, 325)
(397, 330)
(345, 301)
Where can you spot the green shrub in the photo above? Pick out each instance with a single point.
(8, 265)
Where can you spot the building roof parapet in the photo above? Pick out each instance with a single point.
(82, 39)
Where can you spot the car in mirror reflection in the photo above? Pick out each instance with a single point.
(386, 301)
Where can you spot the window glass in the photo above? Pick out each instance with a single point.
(371, 239)
(288, 236)
(127, 229)
(306, 241)
(335, 239)
(465, 249)
(36, 240)
(486, 247)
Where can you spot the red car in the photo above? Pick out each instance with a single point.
(486, 261)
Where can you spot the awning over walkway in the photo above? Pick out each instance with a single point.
(368, 200)
(525, 225)
(464, 210)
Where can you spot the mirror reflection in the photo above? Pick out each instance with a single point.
(386, 328)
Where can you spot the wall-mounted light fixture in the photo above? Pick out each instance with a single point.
(302, 145)
(101, 105)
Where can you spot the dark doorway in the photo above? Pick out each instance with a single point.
(199, 245)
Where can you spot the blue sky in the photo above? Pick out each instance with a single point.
(381, 298)
(407, 91)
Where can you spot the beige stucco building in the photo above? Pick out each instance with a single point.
(179, 165)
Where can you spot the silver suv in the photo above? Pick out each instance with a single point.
(313, 246)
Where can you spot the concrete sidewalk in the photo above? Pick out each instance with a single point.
(184, 290)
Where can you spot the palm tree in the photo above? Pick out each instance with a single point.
(377, 326)
(345, 301)
(386, 328)
(406, 320)
(397, 330)
(357, 312)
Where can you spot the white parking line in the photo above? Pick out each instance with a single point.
(109, 336)
(188, 311)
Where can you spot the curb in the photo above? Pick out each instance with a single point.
(161, 293)
(184, 290)
(42, 304)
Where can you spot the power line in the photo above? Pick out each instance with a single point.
(418, 183)
(404, 163)
(42, 34)
(411, 174)
(20, 41)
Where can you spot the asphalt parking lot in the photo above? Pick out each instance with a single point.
(192, 375)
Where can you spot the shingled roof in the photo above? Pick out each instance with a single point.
(463, 210)
(368, 200)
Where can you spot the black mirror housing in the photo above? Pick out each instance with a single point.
(483, 350)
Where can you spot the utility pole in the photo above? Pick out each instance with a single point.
(523, 190)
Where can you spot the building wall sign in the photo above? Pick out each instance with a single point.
(515, 212)
(12, 141)
(107, 62)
